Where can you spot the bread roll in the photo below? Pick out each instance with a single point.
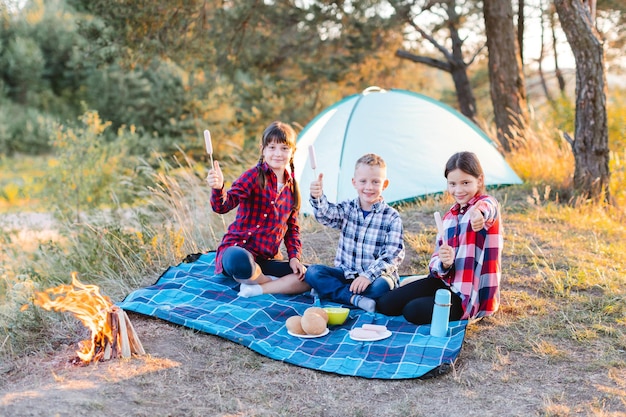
(319, 311)
(313, 323)
(294, 325)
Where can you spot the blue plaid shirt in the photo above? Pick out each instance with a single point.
(372, 246)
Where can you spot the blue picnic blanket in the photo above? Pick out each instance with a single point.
(192, 295)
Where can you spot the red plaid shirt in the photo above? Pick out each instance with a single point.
(475, 275)
(264, 217)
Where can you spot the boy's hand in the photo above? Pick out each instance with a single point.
(215, 178)
(446, 255)
(317, 189)
(477, 219)
(297, 268)
(359, 284)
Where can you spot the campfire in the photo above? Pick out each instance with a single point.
(112, 334)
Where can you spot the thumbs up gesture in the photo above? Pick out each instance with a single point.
(317, 187)
(477, 219)
(215, 178)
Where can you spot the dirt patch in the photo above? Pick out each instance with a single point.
(187, 373)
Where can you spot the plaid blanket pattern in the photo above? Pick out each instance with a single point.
(191, 295)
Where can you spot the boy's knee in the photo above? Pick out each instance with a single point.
(312, 274)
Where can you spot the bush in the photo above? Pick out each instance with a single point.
(87, 172)
(24, 129)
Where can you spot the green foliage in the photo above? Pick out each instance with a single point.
(23, 66)
(87, 171)
(152, 99)
(24, 129)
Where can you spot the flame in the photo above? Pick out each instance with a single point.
(86, 304)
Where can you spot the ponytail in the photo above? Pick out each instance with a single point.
(295, 188)
(260, 178)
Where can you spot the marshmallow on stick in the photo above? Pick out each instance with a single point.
(313, 161)
(209, 145)
(312, 157)
(439, 223)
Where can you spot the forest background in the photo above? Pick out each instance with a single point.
(103, 105)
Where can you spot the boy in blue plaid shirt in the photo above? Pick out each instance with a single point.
(371, 245)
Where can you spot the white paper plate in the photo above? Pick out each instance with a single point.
(309, 336)
(379, 336)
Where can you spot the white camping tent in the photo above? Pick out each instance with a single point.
(413, 133)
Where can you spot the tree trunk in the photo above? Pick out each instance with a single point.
(557, 70)
(464, 92)
(521, 24)
(507, 85)
(544, 84)
(452, 61)
(591, 141)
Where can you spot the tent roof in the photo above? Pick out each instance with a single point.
(413, 133)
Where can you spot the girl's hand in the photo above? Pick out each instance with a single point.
(317, 188)
(215, 178)
(297, 267)
(477, 219)
(359, 284)
(446, 255)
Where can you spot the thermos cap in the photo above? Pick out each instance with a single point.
(442, 297)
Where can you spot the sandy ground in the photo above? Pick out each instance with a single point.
(30, 226)
(186, 373)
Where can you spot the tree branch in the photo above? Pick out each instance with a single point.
(476, 54)
(569, 139)
(431, 62)
(432, 41)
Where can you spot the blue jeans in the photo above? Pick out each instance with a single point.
(330, 283)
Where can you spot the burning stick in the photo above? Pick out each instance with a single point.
(439, 223)
(112, 334)
(209, 145)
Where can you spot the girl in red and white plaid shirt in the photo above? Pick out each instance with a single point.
(268, 201)
(467, 258)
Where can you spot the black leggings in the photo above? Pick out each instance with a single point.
(239, 263)
(415, 301)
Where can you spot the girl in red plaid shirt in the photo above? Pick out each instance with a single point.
(268, 202)
(467, 258)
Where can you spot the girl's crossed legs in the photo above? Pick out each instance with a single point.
(273, 277)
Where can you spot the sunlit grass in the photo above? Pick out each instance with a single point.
(548, 162)
(20, 183)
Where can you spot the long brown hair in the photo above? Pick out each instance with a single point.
(279, 132)
(467, 162)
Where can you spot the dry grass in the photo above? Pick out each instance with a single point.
(557, 347)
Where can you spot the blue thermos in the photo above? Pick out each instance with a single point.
(441, 314)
